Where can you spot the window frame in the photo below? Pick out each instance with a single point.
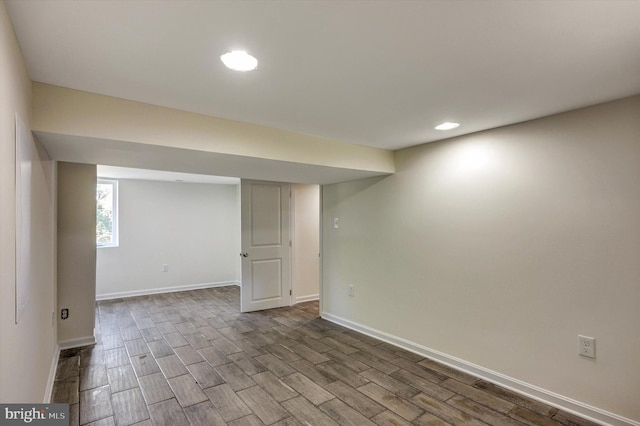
(115, 239)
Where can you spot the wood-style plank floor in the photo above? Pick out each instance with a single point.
(191, 358)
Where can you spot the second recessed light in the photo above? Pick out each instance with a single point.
(447, 126)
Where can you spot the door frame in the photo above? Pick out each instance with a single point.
(294, 240)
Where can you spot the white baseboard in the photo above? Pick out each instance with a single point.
(145, 292)
(77, 343)
(567, 404)
(308, 298)
(48, 392)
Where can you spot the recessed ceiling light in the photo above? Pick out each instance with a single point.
(239, 60)
(447, 126)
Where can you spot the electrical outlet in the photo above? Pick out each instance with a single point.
(64, 314)
(336, 223)
(587, 346)
(351, 290)
(165, 268)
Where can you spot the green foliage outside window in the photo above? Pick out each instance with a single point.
(104, 214)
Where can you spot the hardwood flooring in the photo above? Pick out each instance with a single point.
(191, 358)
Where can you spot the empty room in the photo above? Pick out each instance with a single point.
(315, 212)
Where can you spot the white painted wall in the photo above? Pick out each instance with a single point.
(499, 248)
(306, 242)
(76, 253)
(28, 348)
(192, 228)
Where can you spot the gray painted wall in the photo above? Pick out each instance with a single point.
(499, 248)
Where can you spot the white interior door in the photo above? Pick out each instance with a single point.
(266, 251)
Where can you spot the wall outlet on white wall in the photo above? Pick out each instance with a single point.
(165, 268)
(336, 223)
(351, 290)
(587, 346)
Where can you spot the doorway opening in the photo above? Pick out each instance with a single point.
(280, 244)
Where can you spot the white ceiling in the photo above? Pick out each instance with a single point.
(377, 73)
(112, 172)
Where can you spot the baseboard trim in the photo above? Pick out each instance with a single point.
(567, 404)
(48, 392)
(309, 298)
(145, 292)
(77, 343)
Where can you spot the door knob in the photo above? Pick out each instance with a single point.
(245, 254)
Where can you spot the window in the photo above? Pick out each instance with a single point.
(107, 213)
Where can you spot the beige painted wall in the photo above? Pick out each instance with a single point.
(193, 228)
(76, 252)
(500, 247)
(306, 242)
(28, 348)
(71, 112)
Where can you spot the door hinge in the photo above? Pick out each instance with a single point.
(289, 243)
(290, 292)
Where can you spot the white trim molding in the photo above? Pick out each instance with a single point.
(48, 392)
(145, 292)
(77, 343)
(559, 401)
(308, 298)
